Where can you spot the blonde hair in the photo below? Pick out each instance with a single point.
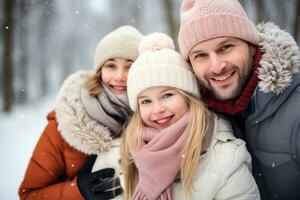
(200, 124)
(93, 83)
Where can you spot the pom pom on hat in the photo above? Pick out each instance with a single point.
(158, 64)
(156, 41)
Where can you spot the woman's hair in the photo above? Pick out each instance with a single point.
(200, 123)
(93, 83)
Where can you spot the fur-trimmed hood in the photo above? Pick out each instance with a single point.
(74, 123)
(280, 60)
(278, 77)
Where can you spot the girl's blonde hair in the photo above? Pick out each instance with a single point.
(93, 83)
(200, 124)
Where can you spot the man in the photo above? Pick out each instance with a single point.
(251, 76)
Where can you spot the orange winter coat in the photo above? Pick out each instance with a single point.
(71, 135)
(52, 170)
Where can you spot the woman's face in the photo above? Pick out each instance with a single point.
(114, 74)
(161, 107)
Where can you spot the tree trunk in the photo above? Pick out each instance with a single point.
(171, 23)
(297, 21)
(23, 62)
(7, 60)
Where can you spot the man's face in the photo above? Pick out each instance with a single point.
(222, 65)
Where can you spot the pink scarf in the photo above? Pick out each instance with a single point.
(158, 160)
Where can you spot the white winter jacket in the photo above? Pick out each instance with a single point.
(224, 170)
(223, 173)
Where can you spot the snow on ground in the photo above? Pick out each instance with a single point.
(19, 132)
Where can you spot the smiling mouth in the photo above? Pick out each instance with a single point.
(119, 88)
(223, 78)
(164, 121)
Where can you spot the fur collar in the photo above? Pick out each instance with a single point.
(280, 60)
(75, 125)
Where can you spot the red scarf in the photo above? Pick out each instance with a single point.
(240, 104)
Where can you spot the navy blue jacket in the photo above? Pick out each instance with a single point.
(271, 124)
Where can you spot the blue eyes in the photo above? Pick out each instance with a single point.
(164, 96)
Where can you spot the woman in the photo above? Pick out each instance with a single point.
(90, 111)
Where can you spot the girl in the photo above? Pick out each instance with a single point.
(87, 119)
(173, 146)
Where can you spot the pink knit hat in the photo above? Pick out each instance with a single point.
(206, 19)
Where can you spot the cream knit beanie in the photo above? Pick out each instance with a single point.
(201, 20)
(120, 43)
(158, 64)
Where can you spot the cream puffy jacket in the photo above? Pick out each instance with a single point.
(224, 170)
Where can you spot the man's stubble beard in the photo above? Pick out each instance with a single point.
(242, 81)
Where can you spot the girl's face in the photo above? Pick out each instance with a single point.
(161, 107)
(114, 74)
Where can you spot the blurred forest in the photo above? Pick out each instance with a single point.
(43, 41)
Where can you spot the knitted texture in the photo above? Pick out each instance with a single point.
(158, 64)
(206, 19)
(120, 43)
(158, 161)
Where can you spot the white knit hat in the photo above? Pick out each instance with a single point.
(158, 64)
(120, 43)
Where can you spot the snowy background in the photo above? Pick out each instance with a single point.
(54, 38)
(20, 131)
